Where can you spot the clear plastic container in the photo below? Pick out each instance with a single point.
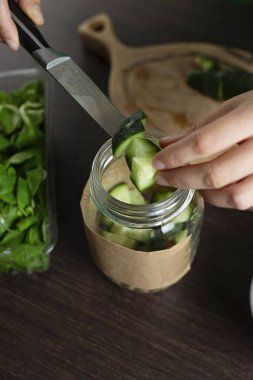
(18, 256)
(143, 247)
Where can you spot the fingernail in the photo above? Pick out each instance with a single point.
(159, 165)
(13, 44)
(36, 14)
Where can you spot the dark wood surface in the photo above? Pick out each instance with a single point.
(70, 323)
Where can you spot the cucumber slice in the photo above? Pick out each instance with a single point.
(158, 240)
(136, 198)
(160, 197)
(205, 62)
(184, 216)
(181, 235)
(138, 234)
(143, 172)
(131, 127)
(106, 223)
(139, 147)
(122, 148)
(121, 192)
(120, 239)
(124, 194)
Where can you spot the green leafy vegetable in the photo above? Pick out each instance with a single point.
(23, 208)
(12, 238)
(7, 179)
(10, 118)
(4, 143)
(20, 157)
(34, 179)
(8, 216)
(23, 195)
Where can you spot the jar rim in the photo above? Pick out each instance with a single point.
(140, 216)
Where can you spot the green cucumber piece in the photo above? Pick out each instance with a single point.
(139, 147)
(121, 192)
(181, 235)
(106, 222)
(205, 62)
(136, 198)
(184, 216)
(143, 172)
(160, 197)
(122, 148)
(131, 127)
(158, 240)
(120, 239)
(138, 234)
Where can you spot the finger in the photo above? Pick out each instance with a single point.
(223, 109)
(164, 141)
(228, 168)
(33, 10)
(8, 30)
(220, 134)
(238, 195)
(226, 107)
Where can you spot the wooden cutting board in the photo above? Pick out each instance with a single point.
(153, 78)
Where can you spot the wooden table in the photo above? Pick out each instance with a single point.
(70, 323)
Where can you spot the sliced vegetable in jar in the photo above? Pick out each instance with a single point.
(131, 127)
(144, 239)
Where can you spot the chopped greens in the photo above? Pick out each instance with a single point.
(219, 83)
(23, 208)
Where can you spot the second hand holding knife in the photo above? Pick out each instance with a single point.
(65, 71)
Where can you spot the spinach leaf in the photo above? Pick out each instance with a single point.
(20, 157)
(23, 194)
(34, 179)
(10, 118)
(33, 236)
(44, 228)
(28, 135)
(8, 215)
(5, 98)
(8, 198)
(25, 223)
(30, 258)
(8, 178)
(4, 143)
(14, 237)
(32, 92)
(35, 113)
(23, 258)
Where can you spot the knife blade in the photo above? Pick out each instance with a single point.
(67, 73)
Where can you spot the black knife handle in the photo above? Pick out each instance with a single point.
(30, 38)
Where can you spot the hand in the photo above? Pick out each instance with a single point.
(223, 144)
(8, 30)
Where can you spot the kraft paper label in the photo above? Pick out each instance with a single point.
(142, 271)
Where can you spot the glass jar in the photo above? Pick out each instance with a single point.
(143, 247)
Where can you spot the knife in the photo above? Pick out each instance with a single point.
(66, 72)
